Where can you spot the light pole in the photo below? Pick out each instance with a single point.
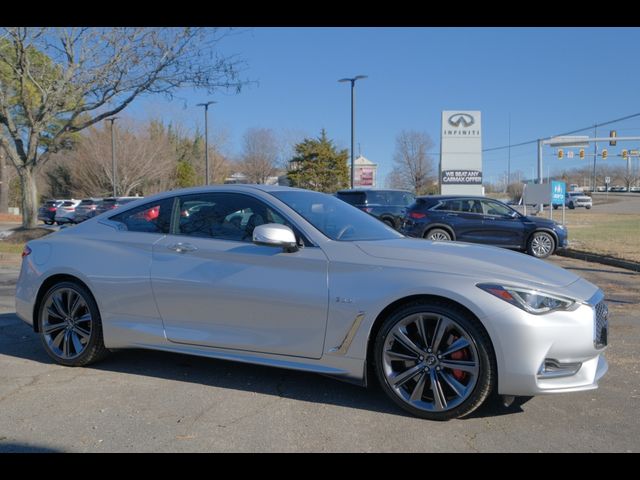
(206, 139)
(113, 155)
(353, 84)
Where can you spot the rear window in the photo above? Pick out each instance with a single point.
(68, 204)
(422, 203)
(400, 198)
(51, 203)
(109, 200)
(122, 201)
(352, 198)
(87, 202)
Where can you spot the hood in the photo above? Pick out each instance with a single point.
(541, 222)
(489, 264)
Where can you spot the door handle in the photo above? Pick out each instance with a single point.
(182, 247)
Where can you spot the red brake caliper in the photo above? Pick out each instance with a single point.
(459, 355)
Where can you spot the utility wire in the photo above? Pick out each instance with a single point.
(566, 133)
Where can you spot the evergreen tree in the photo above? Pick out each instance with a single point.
(318, 165)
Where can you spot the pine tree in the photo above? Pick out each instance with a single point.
(318, 165)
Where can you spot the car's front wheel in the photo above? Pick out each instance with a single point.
(70, 326)
(541, 245)
(434, 360)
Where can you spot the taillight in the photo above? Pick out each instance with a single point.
(417, 215)
(51, 209)
(26, 251)
(366, 209)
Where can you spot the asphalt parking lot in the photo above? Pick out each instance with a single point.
(154, 402)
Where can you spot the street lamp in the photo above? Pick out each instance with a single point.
(353, 83)
(113, 156)
(206, 139)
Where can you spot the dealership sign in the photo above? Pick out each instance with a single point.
(461, 177)
(461, 153)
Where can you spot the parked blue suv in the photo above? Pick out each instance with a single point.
(482, 220)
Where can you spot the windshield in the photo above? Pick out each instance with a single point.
(334, 218)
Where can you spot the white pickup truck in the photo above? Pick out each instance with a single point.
(576, 199)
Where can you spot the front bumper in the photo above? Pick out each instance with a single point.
(552, 353)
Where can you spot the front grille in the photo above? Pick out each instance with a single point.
(601, 325)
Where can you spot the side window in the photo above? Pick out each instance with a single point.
(447, 205)
(154, 217)
(224, 216)
(495, 208)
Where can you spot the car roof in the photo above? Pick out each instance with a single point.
(365, 190)
(454, 197)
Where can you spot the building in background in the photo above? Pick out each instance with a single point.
(461, 153)
(365, 174)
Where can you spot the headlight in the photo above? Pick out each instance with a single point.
(531, 301)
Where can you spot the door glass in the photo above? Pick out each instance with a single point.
(154, 217)
(495, 208)
(224, 216)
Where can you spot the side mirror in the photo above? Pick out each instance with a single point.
(275, 235)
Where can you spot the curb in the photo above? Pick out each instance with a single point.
(604, 259)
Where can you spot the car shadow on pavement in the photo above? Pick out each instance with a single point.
(18, 340)
(9, 447)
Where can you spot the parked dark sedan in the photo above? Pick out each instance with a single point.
(482, 220)
(47, 212)
(86, 209)
(388, 206)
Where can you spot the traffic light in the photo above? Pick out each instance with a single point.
(612, 134)
(560, 153)
(582, 154)
(625, 154)
(604, 153)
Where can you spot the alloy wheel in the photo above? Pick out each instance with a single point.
(541, 245)
(430, 362)
(66, 323)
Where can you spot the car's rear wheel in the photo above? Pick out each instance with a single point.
(571, 206)
(389, 222)
(70, 326)
(434, 360)
(541, 245)
(438, 234)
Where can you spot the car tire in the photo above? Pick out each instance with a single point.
(415, 371)
(541, 245)
(571, 206)
(390, 223)
(47, 223)
(588, 207)
(438, 234)
(70, 326)
(555, 207)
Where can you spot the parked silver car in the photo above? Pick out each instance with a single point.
(302, 280)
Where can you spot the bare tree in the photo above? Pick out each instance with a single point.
(55, 82)
(144, 161)
(413, 167)
(260, 155)
(4, 184)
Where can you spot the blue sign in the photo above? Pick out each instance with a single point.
(558, 190)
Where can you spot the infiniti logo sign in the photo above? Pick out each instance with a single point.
(463, 119)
